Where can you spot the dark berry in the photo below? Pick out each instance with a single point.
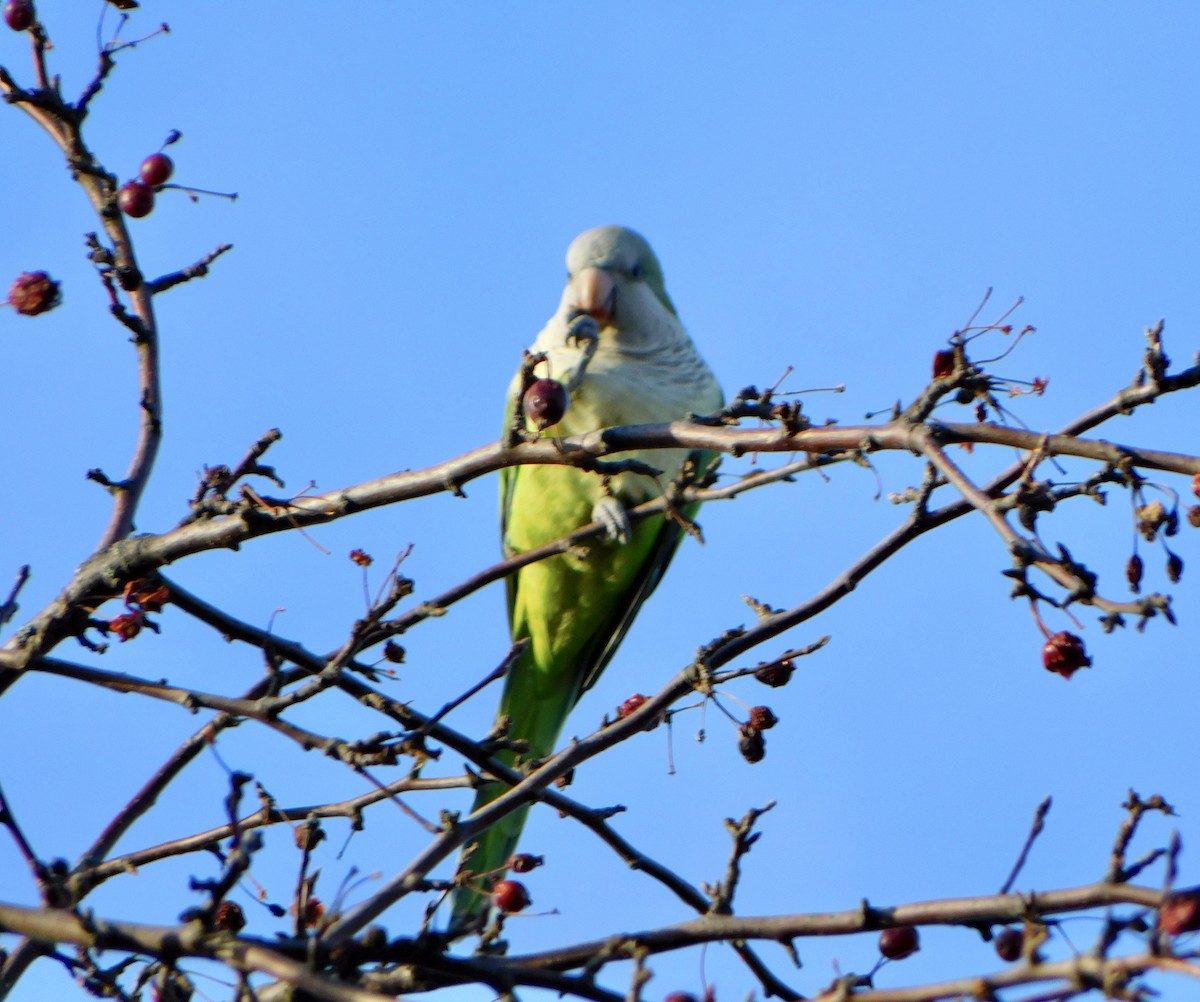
(229, 917)
(156, 169)
(19, 15)
(943, 364)
(136, 199)
(34, 292)
(752, 744)
(510, 896)
(1133, 573)
(1064, 654)
(776, 674)
(1009, 944)
(899, 942)
(523, 862)
(546, 401)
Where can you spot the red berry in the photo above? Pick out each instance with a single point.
(510, 896)
(631, 704)
(18, 14)
(156, 169)
(899, 942)
(1064, 654)
(546, 401)
(34, 292)
(136, 199)
(943, 364)
(1010, 944)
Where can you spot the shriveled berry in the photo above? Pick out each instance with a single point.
(943, 364)
(510, 896)
(1193, 516)
(776, 674)
(1150, 518)
(899, 942)
(1174, 567)
(1064, 654)
(761, 718)
(229, 917)
(752, 744)
(631, 704)
(307, 837)
(1009, 944)
(136, 199)
(1180, 912)
(19, 14)
(34, 292)
(156, 169)
(523, 862)
(393, 652)
(1133, 573)
(546, 401)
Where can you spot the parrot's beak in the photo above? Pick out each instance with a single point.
(595, 294)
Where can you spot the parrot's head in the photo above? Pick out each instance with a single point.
(614, 276)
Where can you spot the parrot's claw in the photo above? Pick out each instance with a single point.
(610, 513)
(583, 328)
(583, 333)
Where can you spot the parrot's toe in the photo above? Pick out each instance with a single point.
(615, 519)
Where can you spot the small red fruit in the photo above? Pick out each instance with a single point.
(510, 896)
(899, 942)
(631, 704)
(1064, 654)
(19, 14)
(156, 169)
(136, 199)
(546, 401)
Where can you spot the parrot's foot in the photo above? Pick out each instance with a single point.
(583, 328)
(610, 513)
(584, 334)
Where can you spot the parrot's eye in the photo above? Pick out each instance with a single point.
(636, 270)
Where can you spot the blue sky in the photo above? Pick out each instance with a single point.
(830, 187)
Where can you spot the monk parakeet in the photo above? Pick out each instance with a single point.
(575, 609)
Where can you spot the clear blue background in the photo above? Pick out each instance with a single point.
(829, 186)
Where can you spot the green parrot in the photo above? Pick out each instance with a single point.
(575, 609)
